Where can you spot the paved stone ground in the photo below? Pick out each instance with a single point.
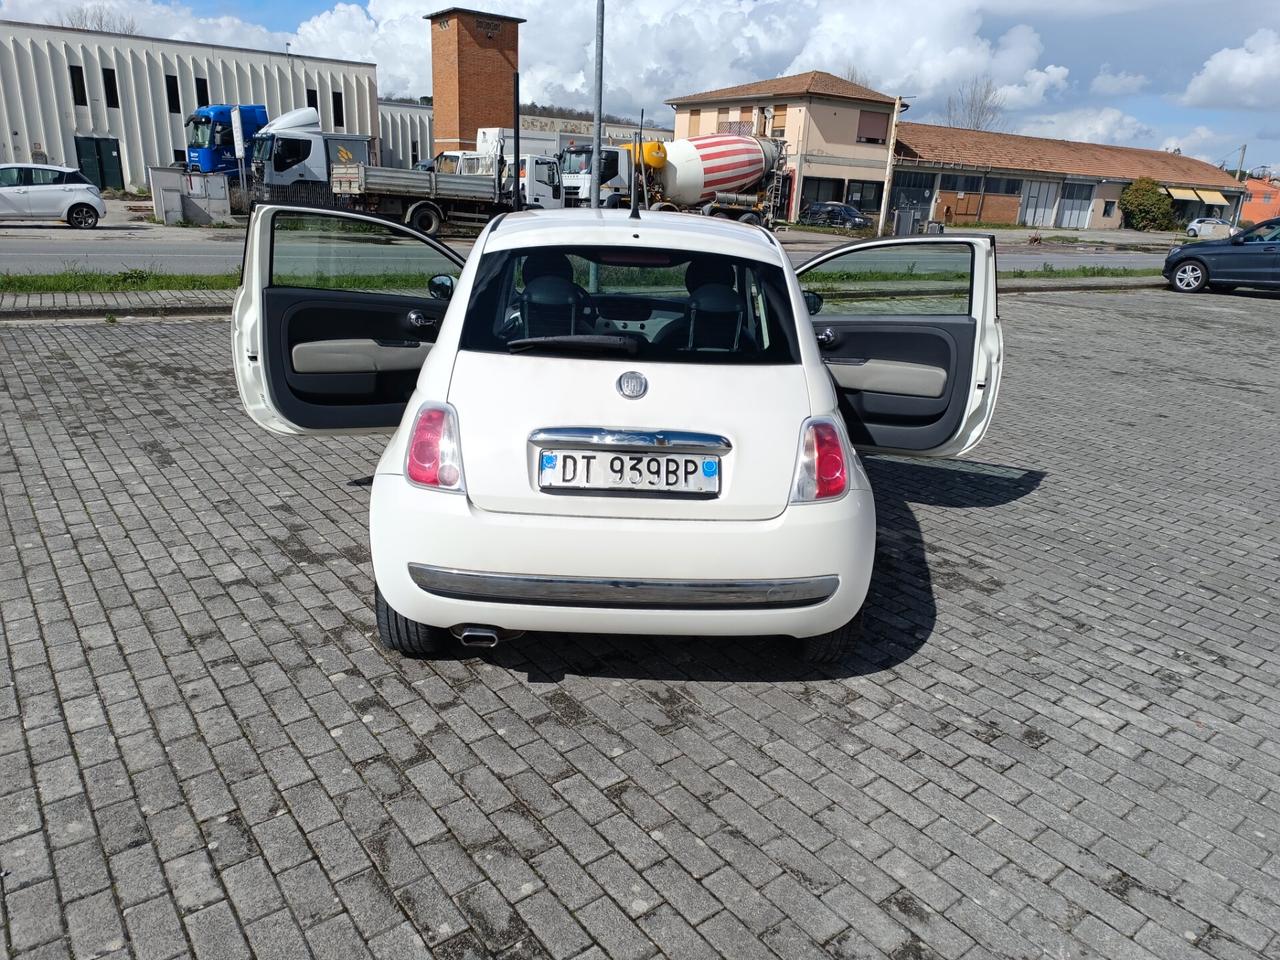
(1059, 741)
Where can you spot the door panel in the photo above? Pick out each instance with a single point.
(334, 318)
(13, 193)
(1255, 259)
(48, 193)
(909, 332)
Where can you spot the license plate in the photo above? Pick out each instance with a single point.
(667, 473)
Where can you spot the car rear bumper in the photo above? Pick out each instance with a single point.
(441, 561)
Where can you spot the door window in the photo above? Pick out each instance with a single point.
(933, 279)
(1263, 235)
(41, 177)
(10, 176)
(327, 252)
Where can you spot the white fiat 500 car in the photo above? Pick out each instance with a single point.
(617, 425)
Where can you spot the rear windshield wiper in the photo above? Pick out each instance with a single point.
(577, 343)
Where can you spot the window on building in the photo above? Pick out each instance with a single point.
(864, 194)
(171, 92)
(339, 119)
(313, 99)
(1108, 208)
(820, 190)
(413, 153)
(779, 127)
(960, 184)
(1004, 186)
(109, 89)
(202, 92)
(180, 156)
(873, 127)
(79, 92)
(1268, 197)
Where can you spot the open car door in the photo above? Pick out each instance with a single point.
(908, 328)
(335, 314)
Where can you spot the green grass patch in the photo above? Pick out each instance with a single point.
(93, 281)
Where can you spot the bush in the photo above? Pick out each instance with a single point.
(1146, 206)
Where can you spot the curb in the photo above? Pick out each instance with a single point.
(167, 312)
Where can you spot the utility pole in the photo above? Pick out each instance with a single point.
(595, 131)
(1240, 174)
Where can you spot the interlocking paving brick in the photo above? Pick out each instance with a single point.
(1057, 739)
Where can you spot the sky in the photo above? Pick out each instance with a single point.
(1152, 73)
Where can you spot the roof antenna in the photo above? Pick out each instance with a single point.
(637, 157)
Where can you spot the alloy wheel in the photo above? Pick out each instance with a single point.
(1189, 277)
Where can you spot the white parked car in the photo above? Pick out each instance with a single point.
(604, 424)
(31, 191)
(1211, 227)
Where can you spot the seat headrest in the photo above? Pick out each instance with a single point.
(550, 291)
(714, 298)
(546, 263)
(704, 270)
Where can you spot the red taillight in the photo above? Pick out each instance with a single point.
(822, 471)
(830, 461)
(434, 459)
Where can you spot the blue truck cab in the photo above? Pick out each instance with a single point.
(210, 143)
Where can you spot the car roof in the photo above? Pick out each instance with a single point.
(675, 231)
(39, 166)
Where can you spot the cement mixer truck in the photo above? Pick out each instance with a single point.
(718, 175)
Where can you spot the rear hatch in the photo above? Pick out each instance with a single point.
(502, 399)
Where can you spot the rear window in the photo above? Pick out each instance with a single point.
(614, 302)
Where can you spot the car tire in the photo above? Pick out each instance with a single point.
(832, 647)
(1190, 276)
(1191, 233)
(426, 219)
(404, 635)
(82, 217)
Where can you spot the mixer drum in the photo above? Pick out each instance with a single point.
(700, 167)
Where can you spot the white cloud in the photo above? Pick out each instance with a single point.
(1107, 125)
(1247, 76)
(1110, 84)
(1034, 87)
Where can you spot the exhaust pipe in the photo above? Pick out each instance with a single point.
(474, 635)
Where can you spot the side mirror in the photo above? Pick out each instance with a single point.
(812, 301)
(441, 287)
(1237, 238)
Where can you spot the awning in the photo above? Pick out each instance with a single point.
(1182, 193)
(1213, 198)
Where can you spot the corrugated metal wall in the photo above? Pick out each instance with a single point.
(405, 133)
(37, 102)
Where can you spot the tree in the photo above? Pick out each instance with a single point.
(855, 74)
(978, 104)
(98, 16)
(1146, 206)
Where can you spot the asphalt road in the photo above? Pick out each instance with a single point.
(119, 244)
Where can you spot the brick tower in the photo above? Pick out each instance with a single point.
(474, 56)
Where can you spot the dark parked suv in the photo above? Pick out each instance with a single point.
(834, 214)
(1249, 259)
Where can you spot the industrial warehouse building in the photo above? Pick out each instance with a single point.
(973, 176)
(114, 104)
(838, 133)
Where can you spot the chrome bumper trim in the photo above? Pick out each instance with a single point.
(648, 441)
(621, 594)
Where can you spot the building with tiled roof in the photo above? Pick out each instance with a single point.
(838, 133)
(968, 176)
